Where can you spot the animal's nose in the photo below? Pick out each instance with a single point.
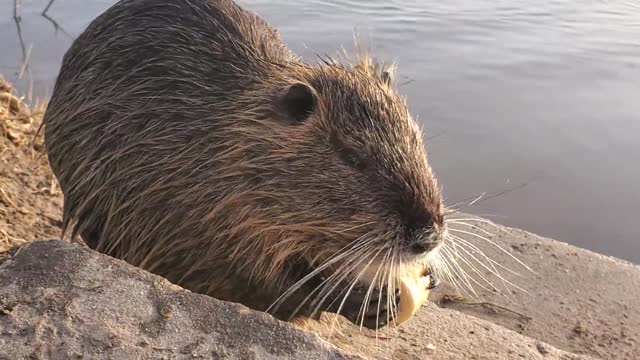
(426, 240)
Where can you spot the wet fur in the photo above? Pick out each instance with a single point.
(165, 134)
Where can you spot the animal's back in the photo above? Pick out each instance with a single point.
(144, 71)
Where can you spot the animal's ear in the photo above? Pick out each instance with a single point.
(298, 101)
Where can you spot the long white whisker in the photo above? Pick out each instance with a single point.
(365, 304)
(465, 248)
(494, 244)
(462, 203)
(455, 276)
(329, 289)
(352, 266)
(335, 278)
(332, 260)
(477, 199)
(466, 261)
(487, 233)
(383, 265)
(441, 268)
(478, 219)
(353, 283)
(474, 248)
(461, 273)
(346, 291)
(392, 304)
(340, 275)
(389, 274)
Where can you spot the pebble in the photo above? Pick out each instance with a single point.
(542, 349)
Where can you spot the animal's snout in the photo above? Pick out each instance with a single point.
(427, 239)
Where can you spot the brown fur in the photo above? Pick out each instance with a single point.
(175, 152)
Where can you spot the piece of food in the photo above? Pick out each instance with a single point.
(414, 291)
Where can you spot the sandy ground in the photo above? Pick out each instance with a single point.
(574, 300)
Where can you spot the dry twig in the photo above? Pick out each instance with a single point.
(457, 299)
(6, 199)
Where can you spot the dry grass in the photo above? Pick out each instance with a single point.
(30, 200)
(19, 122)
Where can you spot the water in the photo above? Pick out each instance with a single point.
(538, 92)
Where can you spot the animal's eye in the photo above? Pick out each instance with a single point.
(352, 158)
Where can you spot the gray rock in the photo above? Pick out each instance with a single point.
(63, 301)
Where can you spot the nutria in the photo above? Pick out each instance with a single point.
(188, 140)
